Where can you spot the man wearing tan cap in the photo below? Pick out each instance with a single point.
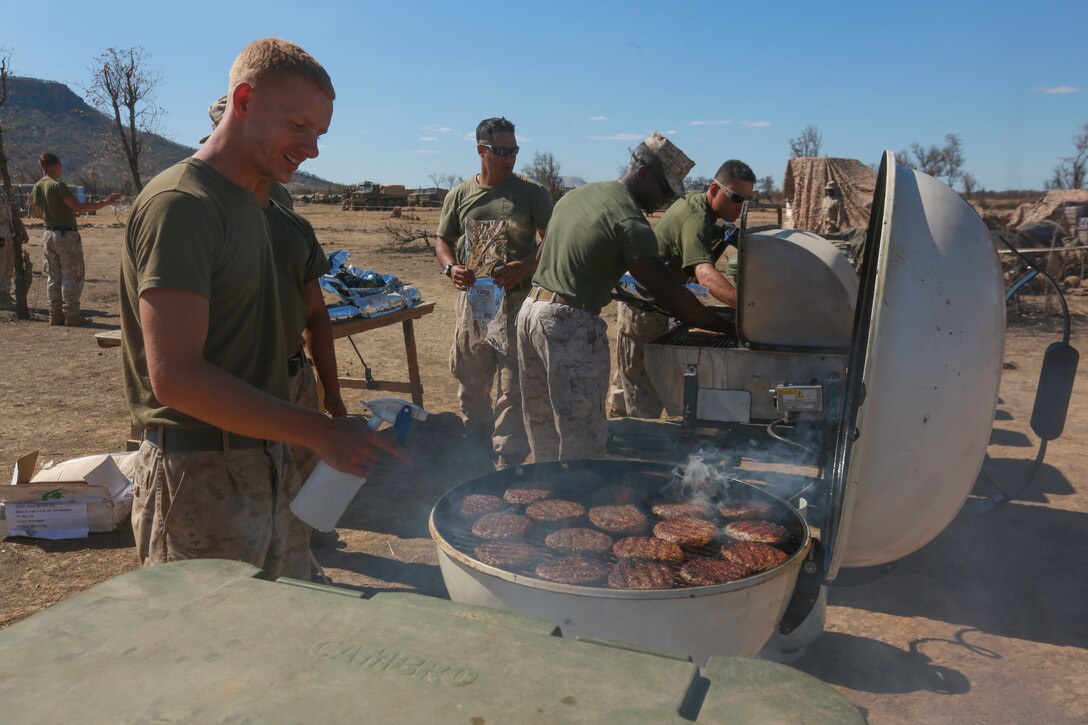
(689, 239)
(834, 213)
(596, 233)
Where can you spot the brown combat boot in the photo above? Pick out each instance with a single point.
(56, 319)
(77, 322)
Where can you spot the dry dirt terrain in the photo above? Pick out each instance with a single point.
(986, 624)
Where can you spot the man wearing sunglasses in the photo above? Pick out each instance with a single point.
(686, 239)
(518, 209)
(597, 232)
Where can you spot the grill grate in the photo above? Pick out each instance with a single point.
(684, 337)
(649, 488)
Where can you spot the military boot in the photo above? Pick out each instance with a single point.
(56, 318)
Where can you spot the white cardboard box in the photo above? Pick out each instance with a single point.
(65, 501)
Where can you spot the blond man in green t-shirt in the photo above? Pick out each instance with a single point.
(517, 210)
(64, 265)
(686, 236)
(204, 347)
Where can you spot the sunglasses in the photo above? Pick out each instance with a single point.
(733, 196)
(502, 150)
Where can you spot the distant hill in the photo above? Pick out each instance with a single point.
(572, 182)
(46, 115)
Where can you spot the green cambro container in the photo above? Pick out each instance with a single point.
(211, 641)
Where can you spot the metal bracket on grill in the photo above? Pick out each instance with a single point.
(691, 402)
(807, 590)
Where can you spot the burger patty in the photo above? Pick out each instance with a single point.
(686, 531)
(648, 547)
(476, 504)
(766, 532)
(745, 509)
(524, 496)
(554, 510)
(682, 509)
(498, 525)
(754, 555)
(640, 574)
(619, 519)
(578, 541)
(707, 572)
(506, 554)
(572, 570)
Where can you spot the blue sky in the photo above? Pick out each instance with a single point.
(587, 80)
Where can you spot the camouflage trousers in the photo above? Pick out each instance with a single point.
(302, 388)
(563, 361)
(64, 269)
(632, 394)
(219, 505)
(481, 368)
(7, 262)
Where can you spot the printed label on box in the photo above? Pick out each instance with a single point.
(52, 520)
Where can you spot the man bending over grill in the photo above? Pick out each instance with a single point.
(689, 241)
(596, 233)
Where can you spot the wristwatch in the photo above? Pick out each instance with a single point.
(447, 269)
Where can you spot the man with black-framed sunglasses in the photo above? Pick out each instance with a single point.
(490, 227)
(686, 238)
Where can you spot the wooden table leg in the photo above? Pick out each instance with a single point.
(413, 362)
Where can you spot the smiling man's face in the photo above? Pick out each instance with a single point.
(284, 119)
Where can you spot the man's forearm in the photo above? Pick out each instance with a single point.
(720, 288)
(443, 250)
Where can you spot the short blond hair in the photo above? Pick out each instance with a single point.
(277, 57)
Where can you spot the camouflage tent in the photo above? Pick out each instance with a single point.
(804, 189)
(1050, 208)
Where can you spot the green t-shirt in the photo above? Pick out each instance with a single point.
(522, 203)
(277, 192)
(49, 195)
(193, 229)
(686, 233)
(595, 232)
(299, 261)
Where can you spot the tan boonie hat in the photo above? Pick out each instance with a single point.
(215, 113)
(831, 185)
(674, 162)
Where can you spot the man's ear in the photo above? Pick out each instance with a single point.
(240, 98)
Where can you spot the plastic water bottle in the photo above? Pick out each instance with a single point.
(327, 492)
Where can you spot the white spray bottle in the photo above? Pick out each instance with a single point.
(327, 492)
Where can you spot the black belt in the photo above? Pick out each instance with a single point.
(546, 295)
(295, 363)
(63, 230)
(171, 440)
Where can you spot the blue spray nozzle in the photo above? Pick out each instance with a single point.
(402, 423)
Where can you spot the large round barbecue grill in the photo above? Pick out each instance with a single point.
(894, 371)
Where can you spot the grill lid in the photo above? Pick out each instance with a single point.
(922, 375)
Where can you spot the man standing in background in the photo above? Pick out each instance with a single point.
(512, 213)
(834, 213)
(64, 264)
(689, 239)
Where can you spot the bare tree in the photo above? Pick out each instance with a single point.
(123, 85)
(766, 187)
(940, 162)
(969, 183)
(17, 233)
(1071, 172)
(544, 169)
(445, 181)
(808, 143)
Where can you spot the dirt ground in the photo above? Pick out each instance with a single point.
(986, 624)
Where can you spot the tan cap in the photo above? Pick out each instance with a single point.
(674, 162)
(215, 113)
(831, 185)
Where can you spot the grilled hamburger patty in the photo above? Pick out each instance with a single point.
(572, 570)
(640, 574)
(686, 531)
(476, 504)
(554, 510)
(619, 519)
(754, 555)
(524, 496)
(579, 541)
(767, 532)
(682, 509)
(648, 547)
(745, 509)
(498, 525)
(506, 554)
(707, 572)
